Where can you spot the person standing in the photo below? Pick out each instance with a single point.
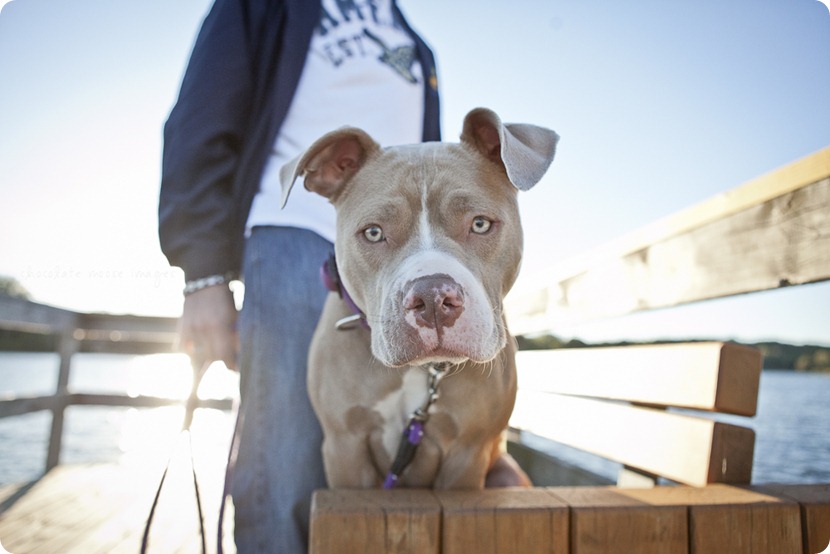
(264, 80)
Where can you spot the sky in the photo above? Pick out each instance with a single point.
(660, 104)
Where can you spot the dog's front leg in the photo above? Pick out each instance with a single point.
(464, 468)
(348, 462)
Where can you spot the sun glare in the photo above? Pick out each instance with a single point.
(219, 382)
(171, 376)
(160, 375)
(150, 435)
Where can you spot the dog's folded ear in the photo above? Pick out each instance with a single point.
(329, 163)
(525, 151)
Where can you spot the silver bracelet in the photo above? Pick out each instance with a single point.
(210, 281)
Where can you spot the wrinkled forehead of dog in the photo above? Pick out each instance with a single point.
(409, 178)
(521, 153)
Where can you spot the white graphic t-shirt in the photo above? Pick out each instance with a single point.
(361, 71)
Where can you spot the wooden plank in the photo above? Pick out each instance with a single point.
(26, 522)
(731, 519)
(503, 520)
(54, 509)
(769, 233)
(129, 324)
(686, 449)
(127, 333)
(358, 521)
(143, 347)
(815, 511)
(22, 315)
(92, 399)
(603, 521)
(775, 184)
(712, 376)
(10, 407)
(102, 508)
(67, 348)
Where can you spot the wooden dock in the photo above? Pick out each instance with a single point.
(102, 508)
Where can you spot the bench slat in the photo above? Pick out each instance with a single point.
(712, 376)
(815, 511)
(503, 521)
(602, 520)
(726, 519)
(686, 449)
(359, 521)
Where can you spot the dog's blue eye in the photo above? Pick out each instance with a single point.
(481, 225)
(373, 233)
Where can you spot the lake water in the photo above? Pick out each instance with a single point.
(792, 425)
(145, 436)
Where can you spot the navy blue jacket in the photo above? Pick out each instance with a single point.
(235, 94)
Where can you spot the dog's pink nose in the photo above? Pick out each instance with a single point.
(435, 300)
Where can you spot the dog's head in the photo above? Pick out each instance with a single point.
(428, 235)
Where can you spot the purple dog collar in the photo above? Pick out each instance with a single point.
(331, 279)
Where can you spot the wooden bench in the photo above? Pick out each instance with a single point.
(708, 251)
(649, 408)
(712, 519)
(574, 397)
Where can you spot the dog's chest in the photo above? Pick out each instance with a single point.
(397, 406)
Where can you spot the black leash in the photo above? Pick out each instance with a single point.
(190, 407)
(226, 489)
(413, 432)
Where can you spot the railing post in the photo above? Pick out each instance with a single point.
(67, 347)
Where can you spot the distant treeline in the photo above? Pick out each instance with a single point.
(27, 342)
(776, 354)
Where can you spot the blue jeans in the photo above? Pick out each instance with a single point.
(279, 462)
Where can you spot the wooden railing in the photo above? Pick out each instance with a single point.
(87, 332)
(771, 232)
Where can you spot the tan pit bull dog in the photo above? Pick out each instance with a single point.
(428, 243)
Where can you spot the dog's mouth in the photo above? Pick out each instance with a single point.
(402, 358)
(439, 356)
(415, 353)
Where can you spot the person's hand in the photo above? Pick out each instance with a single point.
(207, 329)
